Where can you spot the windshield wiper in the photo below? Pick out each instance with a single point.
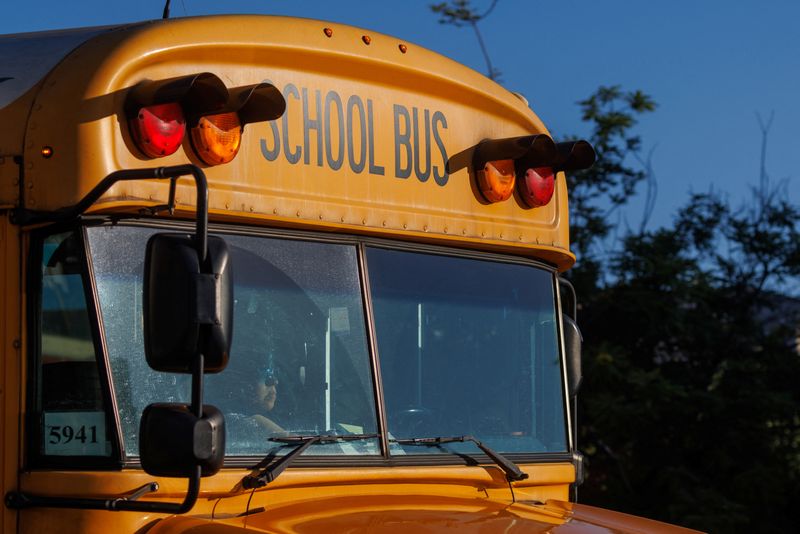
(300, 443)
(511, 470)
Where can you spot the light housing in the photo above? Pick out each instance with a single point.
(158, 111)
(216, 138)
(531, 162)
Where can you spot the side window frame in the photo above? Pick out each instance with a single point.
(35, 457)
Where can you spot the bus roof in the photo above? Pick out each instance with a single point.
(377, 137)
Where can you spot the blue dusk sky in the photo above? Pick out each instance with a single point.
(712, 66)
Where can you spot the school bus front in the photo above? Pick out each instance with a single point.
(317, 266)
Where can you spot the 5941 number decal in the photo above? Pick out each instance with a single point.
(74, 434)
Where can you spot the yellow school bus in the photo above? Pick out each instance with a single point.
(281, 275)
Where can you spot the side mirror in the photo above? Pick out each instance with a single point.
(188, 307)
(173, 441)
(572, 347)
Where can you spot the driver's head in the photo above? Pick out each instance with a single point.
(267, 389)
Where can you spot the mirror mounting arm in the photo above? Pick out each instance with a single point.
(24, 216)
(18, 500)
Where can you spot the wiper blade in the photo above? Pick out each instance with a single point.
(300, 443)
(512, 471)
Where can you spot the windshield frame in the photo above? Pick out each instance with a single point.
(361, 243)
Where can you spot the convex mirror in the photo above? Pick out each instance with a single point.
(188, 307)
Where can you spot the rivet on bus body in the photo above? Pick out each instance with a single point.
(520, 238)
(501, 236)
(227, 206)
(464, 231)
(405, 226)
(445, 229)
(274, 211)
(537, 240)
(363, 221)
(328, 32)
(384, 223)
(320, 216)
(298, 213)
(367, 39)
(425, 228)
(483, 234)
(342, 218)
(252, 208)
(403, 48)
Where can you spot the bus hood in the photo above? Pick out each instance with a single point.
(404, 514)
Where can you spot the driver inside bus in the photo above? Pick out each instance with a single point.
(253, 388)
(266, 394)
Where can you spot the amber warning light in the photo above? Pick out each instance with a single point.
(527, 164)
(159, 113)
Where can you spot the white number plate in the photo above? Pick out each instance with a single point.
(75, 434)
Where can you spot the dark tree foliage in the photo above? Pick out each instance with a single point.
(690, 411)
(596, 194)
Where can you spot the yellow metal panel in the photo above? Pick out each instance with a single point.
(369, 135)
(11, 390)
(298, 496)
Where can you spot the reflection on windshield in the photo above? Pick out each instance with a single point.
(299, 360)
(468, 347)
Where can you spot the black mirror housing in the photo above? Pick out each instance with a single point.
(173, 441)
(188, 307)
(573, 341)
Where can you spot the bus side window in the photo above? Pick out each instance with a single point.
(70, 416)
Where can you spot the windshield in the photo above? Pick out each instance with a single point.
(299, 361)
(467, 347)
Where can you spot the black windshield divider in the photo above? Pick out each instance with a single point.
(374, 355)
(18, 500)
(101, 352)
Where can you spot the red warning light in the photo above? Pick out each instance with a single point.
(158, 130)
(537, 186)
